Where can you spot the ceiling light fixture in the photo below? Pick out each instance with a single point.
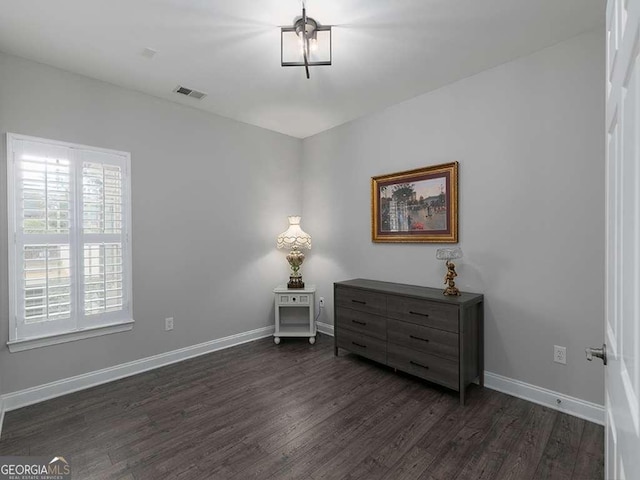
(306, 44)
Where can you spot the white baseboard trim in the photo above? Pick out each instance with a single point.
(548, 398)
(29, 396)
(325, 328)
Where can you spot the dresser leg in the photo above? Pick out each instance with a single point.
(335, 351)
(462, 395)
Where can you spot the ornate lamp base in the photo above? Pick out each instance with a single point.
(295, 259)
(448, 280)
(295, 282)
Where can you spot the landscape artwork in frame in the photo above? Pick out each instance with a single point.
(416, 206)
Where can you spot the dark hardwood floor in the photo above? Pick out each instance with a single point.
(294, 411)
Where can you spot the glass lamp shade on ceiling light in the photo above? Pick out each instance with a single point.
(293, 49)
(295, 239)
(305, 44)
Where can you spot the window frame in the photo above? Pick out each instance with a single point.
(82, 326)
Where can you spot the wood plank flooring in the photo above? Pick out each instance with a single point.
(294, 411)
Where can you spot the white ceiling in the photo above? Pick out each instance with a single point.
(384, 51)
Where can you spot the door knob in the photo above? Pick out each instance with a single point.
(597, 352)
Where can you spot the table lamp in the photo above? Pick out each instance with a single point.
(295, 239)
(449, 254)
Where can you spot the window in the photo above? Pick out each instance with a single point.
(69, 249)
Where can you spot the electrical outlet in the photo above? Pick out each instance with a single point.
(168, 324)
(560, 354)
(321, 302)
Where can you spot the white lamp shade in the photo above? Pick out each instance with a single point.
(450, 253)
(294, 236)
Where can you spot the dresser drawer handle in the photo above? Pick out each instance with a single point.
(359, 301)
(418, 313)
(359, 345)
(418, 365)
(418, 338)
(359, 323)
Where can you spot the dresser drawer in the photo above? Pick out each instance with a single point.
(437, 369)
(361, 300)
(424, 339)
(361, 322)
(423, 312)
(364, 345)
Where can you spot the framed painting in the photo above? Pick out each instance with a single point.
(416, 206)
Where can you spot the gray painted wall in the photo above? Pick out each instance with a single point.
(211, 194)
(529, 137)
(209, 197)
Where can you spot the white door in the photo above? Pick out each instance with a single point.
(622, 326)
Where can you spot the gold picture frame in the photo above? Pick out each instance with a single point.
(416, 206)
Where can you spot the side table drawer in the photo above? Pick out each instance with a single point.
(361, 322)
(423, 365)
(423, 312)
(363, 345)
(293, 298)
(424, 339)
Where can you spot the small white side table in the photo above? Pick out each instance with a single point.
(295, 313)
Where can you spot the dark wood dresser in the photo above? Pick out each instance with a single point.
(414, 329)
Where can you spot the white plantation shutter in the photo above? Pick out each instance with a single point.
(70, 258)
(103, 278)
(46, 283)
(43, 197)
(103, 237)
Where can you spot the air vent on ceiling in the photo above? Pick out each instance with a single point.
(189, 92)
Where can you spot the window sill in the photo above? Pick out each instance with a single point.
(37, 342)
